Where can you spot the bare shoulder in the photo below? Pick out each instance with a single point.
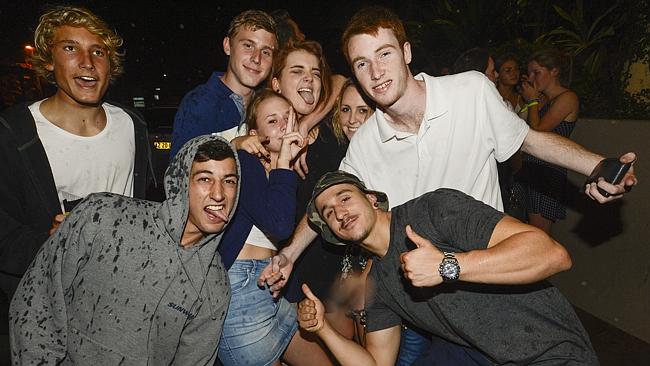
(569, 98)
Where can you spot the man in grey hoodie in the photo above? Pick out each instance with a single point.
(127, 281)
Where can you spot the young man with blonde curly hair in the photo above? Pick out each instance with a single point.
(62, 148)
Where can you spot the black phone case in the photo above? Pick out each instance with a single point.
(612, 171)
(68, 206)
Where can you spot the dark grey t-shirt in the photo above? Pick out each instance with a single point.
(513, 325)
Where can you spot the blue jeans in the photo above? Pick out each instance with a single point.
(444, 353)
(411, 346)
(420, 349)
(258, 328)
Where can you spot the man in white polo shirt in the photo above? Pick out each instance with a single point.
(429, 133)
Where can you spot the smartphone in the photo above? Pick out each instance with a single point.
(612, 171)
(68, 206)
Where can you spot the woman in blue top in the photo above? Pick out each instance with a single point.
(258, 329)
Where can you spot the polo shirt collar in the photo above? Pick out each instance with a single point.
(437, 104)
(386, 132)
(437, 100)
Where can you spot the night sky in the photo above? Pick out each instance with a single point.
(172, 44)
(175, 45)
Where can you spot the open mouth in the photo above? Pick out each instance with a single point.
(86, 81)
(216, 213)
(383, 86)
(307, 95)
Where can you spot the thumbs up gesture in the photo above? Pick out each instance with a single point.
(420, 265)
(311, 311)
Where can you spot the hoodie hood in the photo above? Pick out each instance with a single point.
(174, 211)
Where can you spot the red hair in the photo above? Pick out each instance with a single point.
(368, 21)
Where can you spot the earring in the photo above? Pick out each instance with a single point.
(376, 204)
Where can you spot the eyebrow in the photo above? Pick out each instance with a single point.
(263, 46)
(204, 171)
(72, 41)
(345, 190)
(273, 114)
(385, 45)
(302, 67)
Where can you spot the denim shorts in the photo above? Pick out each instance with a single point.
(258, 328)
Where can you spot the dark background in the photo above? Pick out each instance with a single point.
(172, 45)
(175, 45)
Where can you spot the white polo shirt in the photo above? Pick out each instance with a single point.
(466, 129)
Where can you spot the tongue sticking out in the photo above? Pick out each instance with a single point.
(308, 97)
(219, 215)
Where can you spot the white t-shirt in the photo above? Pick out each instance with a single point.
(233, 132)
(83, 165)
(257, 238)
(466, 129)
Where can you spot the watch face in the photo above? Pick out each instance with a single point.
(449, 270)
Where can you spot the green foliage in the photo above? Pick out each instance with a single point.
(584, 41)
(603, 38)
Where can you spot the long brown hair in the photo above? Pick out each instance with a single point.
(314, 48)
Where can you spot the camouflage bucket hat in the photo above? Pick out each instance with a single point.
(331, 179)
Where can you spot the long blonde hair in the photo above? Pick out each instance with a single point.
(336, 118)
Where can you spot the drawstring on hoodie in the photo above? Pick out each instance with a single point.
(205, 278)
(209, 290)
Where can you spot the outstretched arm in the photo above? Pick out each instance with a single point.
(563, 152)
(277, 273)
(381, 348)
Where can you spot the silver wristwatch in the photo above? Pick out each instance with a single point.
(449, 268)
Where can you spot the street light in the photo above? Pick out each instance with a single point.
(28, 53)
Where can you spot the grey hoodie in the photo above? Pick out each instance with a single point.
(113, 285)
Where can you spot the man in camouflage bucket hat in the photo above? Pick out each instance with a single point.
(333, 178)
(528, 321)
